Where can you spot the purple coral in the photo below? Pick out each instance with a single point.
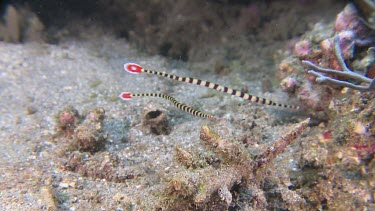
(302, 49)
(345, 73)
(288, 84)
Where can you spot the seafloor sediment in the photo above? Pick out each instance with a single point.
(68, 141)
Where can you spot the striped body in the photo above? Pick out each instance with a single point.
(135, 69)
(128, 95)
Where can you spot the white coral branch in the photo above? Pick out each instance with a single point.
(345, 72)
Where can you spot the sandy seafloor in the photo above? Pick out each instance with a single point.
(38, 80)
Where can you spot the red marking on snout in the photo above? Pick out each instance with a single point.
(125, 95)
(133, 68)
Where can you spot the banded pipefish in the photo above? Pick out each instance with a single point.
(128, 96)
(137, 69)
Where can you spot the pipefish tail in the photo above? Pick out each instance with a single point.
(128, 96)
(136, 69)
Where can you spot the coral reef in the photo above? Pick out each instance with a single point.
(329, 51)
(336, 162)
(344, 72)
(336, 159)
(211, 185)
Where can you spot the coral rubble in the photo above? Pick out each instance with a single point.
(89, 135)
(213, 186)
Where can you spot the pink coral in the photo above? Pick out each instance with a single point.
(302, 49)
(67, 120)
(347, 45)
(288, 84)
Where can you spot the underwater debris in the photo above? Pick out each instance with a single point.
(136, 69)
(346, 72)
(155, 121)
(212, 186)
